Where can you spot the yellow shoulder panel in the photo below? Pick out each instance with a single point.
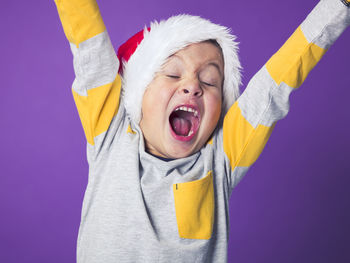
(242, 143)
(97, 109)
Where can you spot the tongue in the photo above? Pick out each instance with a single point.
(181, 126)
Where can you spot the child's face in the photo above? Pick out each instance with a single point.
(182, 105)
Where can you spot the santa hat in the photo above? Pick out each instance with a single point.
(144, 54)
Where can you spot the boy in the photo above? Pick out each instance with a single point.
(168, 143)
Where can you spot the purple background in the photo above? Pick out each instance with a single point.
(294, 203)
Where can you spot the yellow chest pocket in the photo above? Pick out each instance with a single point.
(194, 206)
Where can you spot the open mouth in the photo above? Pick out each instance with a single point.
(184, 122)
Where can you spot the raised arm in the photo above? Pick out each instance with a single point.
(97, 86)
(250, 121)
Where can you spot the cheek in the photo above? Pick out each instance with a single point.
(155, 101)
(147, 101)
(164, 94)
(148, 110)
(214, 103)
(161, 95)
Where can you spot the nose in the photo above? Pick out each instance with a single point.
(192, 88)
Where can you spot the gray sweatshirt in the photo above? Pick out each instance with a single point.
(138, 208)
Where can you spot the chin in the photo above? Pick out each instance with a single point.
(182, 152)
(182, 155)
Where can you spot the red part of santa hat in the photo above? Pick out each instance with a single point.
(144, 53)
(128, 48)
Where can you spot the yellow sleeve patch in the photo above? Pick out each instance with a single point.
(242, 143)
(294, 60)
(97, 109)
(255, 145)
(194, 207)
(129, 130)
(81, 19)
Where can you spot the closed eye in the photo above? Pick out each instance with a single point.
(208, 84)
(173, 76)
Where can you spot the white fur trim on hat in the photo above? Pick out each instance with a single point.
(166, 38)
